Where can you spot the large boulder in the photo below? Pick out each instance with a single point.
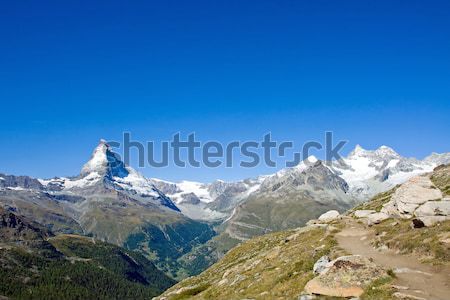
(329, 216)
(346, 276)
(410, 196)
(433, 208)
(376, 218)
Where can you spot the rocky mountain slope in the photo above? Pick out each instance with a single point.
(289, 199)
(38, 265)
(357, 254)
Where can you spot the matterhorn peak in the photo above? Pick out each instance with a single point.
(105, 162)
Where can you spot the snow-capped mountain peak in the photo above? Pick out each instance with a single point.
(104, 161)
(106, 169)
(380, 153)
(385, 151)
(357, 151)
(371, 171)
(302, 166)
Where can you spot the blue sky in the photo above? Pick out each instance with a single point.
(373, 72)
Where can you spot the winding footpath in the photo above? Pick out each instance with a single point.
(417, 280)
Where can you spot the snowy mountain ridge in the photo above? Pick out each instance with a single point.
(366, 172)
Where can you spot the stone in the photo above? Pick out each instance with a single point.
(416, 223)
(363, 213)
(400, 287)
(433, 208)
(346, 276)
(329, 216)
(321, 265)
(410, 196)
(376, 218)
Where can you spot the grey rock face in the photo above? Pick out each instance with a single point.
(24, 182)
(167, 188)
(190, 198)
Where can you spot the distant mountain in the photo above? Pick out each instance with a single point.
(289, 199)
(370, 172)
(208, 201)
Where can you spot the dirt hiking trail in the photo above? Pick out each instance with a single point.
(413, 278)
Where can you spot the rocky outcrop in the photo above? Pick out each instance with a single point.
(346, 276)
(417, 199)
(410, 195)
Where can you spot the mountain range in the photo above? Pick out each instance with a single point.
(184, 227)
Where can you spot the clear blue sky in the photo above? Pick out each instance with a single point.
(374, 72)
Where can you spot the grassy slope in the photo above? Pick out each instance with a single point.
(275, 266)
(441, 179)
(162, 236)
(425, 242)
